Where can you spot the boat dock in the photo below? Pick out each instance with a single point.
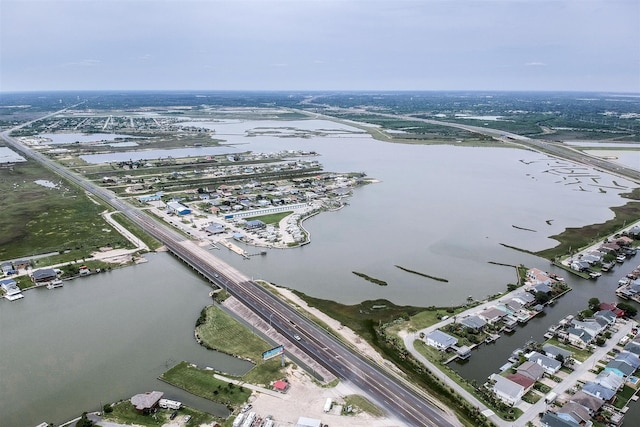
(235, 248)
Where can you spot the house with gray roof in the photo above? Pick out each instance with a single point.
(589, 325)
(620, 368)
(473, 322)
(531, 370)
(629, 358)
(633, 347)
(506, 390)
(524, 298)
(440, 340)
(44, 275)
(574, 412)
(579, 337)
(609, 380)
(541, 287)
(492, 315)
(551, 366)
(146, 402)
(607, 315)
(592, 403)
(553, 351)
(599, 391)
(551, 419)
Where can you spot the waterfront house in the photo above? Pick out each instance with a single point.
(551, 419)
(492, 315)
(579, 265)
(524, 298)
(523, 380)
(531, 370)
(537, 276)
(589, 325)
(629, 358)
(608, 316)
(609, 380)
(146, 402)
(541, 287)
(506, 390)
(599, 391)
(214, 228)
(44, 275)
(473, 322)
(553, 352)
(579, 337)
(591, 403)
(551, 366)
(620, 368)
(11, 290)
(440, 340)
(611, 306)
(574, 412)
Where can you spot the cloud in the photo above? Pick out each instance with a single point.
(535, 64)
(83, 63)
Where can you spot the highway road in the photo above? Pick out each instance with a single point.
(404, 401)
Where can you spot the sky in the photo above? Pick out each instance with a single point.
(299, 45)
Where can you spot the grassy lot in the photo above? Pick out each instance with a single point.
(125, 413)
(219, 331)
(271, 218)
(37, 219)
(361, 404)
(578, 354)
(202, 383)
(152, 243)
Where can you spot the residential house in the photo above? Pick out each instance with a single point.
(44, 275)
(214, 228)
(633, 347)
(629, 358)
(579, 265)
(554, 352)
(607, 315)
(592, 403)
(537, 276)
(531, 370)
(146, 402)
(492, 315)
(589, 325)
(523, 380)
(579, 337)
(611, 306)
(6, 268)
(551, 366)
(255, 224)
(620, 368)
(506, 390)
(574, 412)
(541, 287)
(440, 340)
(609, 380)
(599, 391)
(22, 264)
(551, 419)
(11, 290)
(524, 298)
(474, 322)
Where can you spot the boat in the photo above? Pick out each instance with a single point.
(57, 283)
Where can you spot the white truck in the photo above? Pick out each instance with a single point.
(328, 404)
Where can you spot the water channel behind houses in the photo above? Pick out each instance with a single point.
(100, 339)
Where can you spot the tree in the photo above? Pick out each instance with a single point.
(629, 310)
(542, 297)
(594, 304)
(84, 421)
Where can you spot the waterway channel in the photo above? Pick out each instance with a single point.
(100, 339)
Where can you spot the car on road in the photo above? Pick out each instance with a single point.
(296, 337)
(173, 415)
(216, 275)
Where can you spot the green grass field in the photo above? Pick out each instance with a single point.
(202, 383)
(37, 219)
